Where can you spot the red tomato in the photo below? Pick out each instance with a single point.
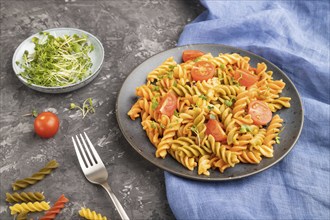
(253, 69)
(245, 78)
(202, 70)
(215, 128)
(191, 55)
(167, 105)
(46, 124)
(260, 112)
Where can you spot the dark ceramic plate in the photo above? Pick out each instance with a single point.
(136, 136)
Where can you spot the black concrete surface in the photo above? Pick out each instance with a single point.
(130, 31)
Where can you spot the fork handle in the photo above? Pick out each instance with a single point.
(115, 201)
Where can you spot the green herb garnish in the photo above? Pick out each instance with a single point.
(170, 74)
(33, 113)
(197, 59)
(86, 107)
(213, 117)
(230, 102)
(202, 97)
(155, 88)
(195, 130)
(153, 125)
(57, 61)
(154, 103)
(245, 128)
(176, 113)
(277, 140)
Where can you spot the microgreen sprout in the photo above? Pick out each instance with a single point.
(86, 107)
(197, 59)
(155, 88)
(195, 130)
(230, 102)
(277, 138)
(154, 103)
(203, 97)
(153, 125)
(245, 128)
(57, 61)
(34, 113)
(176, 113)
(213, 117)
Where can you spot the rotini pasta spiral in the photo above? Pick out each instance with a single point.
(92, 215)
(225, 96)
(25, 197)
(36, 177)
(22, 216)
(167, 139)
(29, 207)
(55, 209)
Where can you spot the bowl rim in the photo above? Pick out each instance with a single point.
(49, 88)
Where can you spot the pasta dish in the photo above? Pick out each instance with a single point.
(211, 112)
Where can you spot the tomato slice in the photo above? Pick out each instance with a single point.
(215, 128)
(202, 70)
(46, 124)
(260, 112)
(191, 55)
(167, 105)
(245, 78)
(253, 69)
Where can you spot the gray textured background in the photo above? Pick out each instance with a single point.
(131, 31)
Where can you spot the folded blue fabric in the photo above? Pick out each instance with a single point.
(294, 35)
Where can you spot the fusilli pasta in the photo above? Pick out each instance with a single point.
(36, 177)
(22, 216)
(92, 215)
(29, 207)
(55, 209)
(227, 96)
(25, 197)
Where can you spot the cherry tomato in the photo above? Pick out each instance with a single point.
(167, 105)
(215, 128)
(191, 55)
(46, 124)
(245, 78)
(253, 69)
(260, 112)
(202, 70)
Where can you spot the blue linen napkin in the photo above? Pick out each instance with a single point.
(294, 35)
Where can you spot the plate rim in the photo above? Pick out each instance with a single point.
(59, 89)
(203, 177)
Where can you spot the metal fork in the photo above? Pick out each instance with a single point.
(94, 169)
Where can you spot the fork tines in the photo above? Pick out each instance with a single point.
(86, 153)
